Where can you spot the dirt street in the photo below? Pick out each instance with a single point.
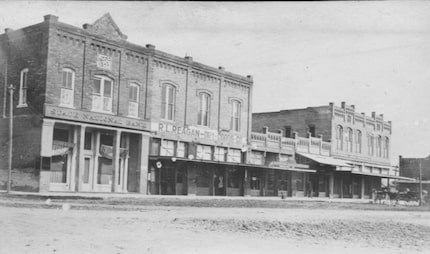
(159, 229)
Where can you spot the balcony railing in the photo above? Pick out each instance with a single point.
(272, 140)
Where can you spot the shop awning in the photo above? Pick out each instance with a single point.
(413, 181)
(290, 167)
(383, 176)
(328, 160)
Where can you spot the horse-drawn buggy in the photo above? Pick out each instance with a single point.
(394, 197)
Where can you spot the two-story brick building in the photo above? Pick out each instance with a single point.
(96, 113)
(349, 151)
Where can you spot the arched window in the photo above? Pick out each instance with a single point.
(203, 114)
(339, 138)
(349, 140)
(379, 147)
(358, 141)
(102, 90)
(23, 88)
(370, 145)
(386, 147)
(168, 94)
(67, 87)
(133, 100)
(235, 115)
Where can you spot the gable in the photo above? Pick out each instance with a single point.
(106, 27)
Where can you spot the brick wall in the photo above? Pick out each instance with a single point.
(409, 167)
(298, 119)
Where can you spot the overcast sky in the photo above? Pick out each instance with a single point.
(374, 55)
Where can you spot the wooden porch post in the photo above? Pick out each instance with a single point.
(115, 159)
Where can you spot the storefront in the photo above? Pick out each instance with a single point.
(93, 153)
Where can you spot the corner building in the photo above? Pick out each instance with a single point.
(95, 113)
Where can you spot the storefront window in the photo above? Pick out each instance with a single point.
(203, 177)
(234, 177)
(255, 180)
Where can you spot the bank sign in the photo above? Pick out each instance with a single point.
(95, 118)
(194, 132)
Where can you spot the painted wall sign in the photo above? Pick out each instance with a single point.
(196, 132)
(104, 62)
(96, 118)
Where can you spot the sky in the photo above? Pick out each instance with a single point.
(374, 55)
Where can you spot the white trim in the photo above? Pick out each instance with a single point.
(22, 104)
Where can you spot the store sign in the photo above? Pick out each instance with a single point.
(104, 62)
(197, 132)
(95, 118)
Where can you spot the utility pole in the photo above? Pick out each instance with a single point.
(9, 178)
(421, 185)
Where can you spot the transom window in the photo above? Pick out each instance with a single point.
(204, 152)
(203, 114)
(168, 102)
(23, 88)
(234, 155)
(219, 154)
(167, 148)
(102, 90)
(235, 115)
(67, 87)
(133, 100)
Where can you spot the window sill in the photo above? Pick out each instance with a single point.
(66, 106)
(135, 117)
(22, 106)
(104, 112)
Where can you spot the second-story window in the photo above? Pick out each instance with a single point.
(339, 138)
(203, 114)
(370, 145)
(168, 102)
(102, 94)
(23, 88)
(379, 147)
(358, 142)
(386, 147)
(133, 100)
(67, 87)
(235, 116)
(349, 140)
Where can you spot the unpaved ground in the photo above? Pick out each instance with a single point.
(161, 229)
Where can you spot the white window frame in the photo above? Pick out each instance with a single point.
(102, 97)
(133, 106)
(165, 104)
(236, 108)
(181, 150)
(234, 155)
(67, 92)
(167, 148)
(204, 152)
(23, 89)
(219, 154)
(203, 109)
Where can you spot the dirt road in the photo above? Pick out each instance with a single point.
(157, 229)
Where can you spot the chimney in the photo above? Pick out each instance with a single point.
(343, 104)
(373, 115)
(353, 107)
(150, 46)
(249, 77)
(189, 58)
(8, 30)
(50, 18)
(221, 68)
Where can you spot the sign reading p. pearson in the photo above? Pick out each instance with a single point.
(95, 118)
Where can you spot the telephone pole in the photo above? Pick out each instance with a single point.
(9, 178)
(421, 185)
